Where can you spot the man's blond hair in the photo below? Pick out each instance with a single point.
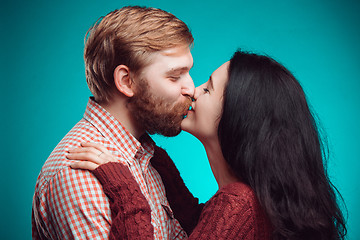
(128, 36)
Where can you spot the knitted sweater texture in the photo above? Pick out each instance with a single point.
(232, 213)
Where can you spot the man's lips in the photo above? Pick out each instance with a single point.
(191, 109)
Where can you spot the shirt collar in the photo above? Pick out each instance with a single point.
(116, 133)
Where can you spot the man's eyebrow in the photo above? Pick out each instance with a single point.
(178, 70)
(211, 82)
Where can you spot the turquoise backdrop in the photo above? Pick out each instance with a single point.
(44, 93)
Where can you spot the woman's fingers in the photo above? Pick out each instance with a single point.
(96, 146)
(90, 156)
(86, 165)
(90, 150)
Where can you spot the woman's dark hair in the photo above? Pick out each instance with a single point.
(270, 139)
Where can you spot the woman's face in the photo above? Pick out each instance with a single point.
(203, 119)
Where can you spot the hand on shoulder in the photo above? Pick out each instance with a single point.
(90, 156)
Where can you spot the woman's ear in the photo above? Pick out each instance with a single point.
(123, 80)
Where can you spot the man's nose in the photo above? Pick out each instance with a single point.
(188, 87)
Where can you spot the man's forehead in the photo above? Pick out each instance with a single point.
(176, 51)
(174, 59)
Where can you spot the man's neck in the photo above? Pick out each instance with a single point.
(117, 108)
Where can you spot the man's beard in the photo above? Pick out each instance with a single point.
(154, 114)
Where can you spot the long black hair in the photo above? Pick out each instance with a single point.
(270, 139)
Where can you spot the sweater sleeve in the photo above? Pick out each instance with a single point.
(185, 206)
(130, 212)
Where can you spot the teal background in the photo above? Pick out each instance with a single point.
(44, 93)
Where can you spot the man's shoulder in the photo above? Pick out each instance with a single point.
(83, 131)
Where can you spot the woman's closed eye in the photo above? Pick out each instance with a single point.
(206, 90)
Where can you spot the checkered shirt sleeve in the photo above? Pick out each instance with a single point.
(78, 206)
(68, 203)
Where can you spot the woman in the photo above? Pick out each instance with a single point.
(265, 153)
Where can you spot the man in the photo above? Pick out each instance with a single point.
(137, 67)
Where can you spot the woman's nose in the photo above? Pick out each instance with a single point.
(197, 92)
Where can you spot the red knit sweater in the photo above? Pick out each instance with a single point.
(232, 213)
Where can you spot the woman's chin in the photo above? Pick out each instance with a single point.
(187, 125)
(184, 125)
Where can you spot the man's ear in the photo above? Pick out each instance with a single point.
(123, 80)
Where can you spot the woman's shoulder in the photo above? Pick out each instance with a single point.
(235, 197)
(239, 191)
(241, 198)
(236, 206)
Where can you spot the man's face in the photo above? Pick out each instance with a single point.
(163, 92)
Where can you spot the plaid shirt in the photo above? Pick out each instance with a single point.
(70, 204)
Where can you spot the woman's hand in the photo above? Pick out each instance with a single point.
(89, 156)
